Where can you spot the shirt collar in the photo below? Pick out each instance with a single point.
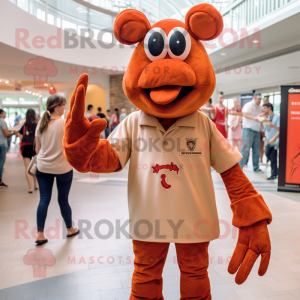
(186, 121)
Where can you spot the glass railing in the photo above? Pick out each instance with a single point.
(69, 14)
(243, 13)
(90, 17)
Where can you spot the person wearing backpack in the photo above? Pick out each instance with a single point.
(26, 135)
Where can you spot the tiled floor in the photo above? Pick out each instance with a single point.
(74, 276)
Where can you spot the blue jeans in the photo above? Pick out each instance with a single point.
(250, 139)
(3, 150)
(63, 182)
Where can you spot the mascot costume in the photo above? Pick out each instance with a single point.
(172, 146)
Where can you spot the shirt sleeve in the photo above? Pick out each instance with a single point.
(222, 155)
(21, 130)
(247, 108)
(277, 123)
(120, 141)
(3, 124)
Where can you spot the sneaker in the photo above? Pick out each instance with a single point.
(259, 171)
(272, 178)
(3, 185)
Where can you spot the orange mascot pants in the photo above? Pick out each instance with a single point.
(147, 282)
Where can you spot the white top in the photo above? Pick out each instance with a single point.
(51, 158)
(87, 114)
(169, 180)
(254, 110)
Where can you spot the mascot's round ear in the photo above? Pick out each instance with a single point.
(204, 22)
(131, 26)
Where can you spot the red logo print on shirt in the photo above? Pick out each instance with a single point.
(170, 167)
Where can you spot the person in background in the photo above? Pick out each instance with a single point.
(266, 100)
(271, 133)
(208, 109)
(108, 118)
(262, 143)
(4, 135)
(100, 114)
(16, 119)
(51, 163)
(16, 123)
(26, 135)
(115, 120)
(251, 132)
(221, 118)
(132, 110)
(235, 125)
(89, 112)
(123, 114)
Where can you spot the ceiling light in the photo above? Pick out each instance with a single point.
(29, 92)
(45, 84)
(0, 80)
(40, 95)
(256, 41)
(51, 88)
(223, 53)
(26, 91)
(7, 82)
(33, 94)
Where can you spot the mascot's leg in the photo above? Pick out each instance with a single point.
(149, 262)
(193, 263)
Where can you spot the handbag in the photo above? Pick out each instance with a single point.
(32, 168)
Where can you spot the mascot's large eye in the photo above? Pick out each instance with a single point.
(179, 43)
(156, 44)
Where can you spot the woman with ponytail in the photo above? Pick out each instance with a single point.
(51, 163)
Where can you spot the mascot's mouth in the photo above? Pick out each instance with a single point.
(167, 94)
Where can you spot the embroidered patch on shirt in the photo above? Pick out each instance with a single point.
(191, 143)
(171, 167)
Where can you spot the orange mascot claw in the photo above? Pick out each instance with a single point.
(168, 78)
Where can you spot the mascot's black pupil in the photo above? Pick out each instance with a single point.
(177, 43)
(156, 44)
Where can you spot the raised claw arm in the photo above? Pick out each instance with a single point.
(82, 145)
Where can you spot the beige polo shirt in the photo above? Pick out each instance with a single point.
(170, 190)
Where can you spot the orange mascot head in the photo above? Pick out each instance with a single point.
(169, 74)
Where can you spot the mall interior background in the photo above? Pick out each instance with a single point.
(258, 51)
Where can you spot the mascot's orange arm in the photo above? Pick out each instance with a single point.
(251, 215)
(92, 155)
(82, 145)
(247, 205)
